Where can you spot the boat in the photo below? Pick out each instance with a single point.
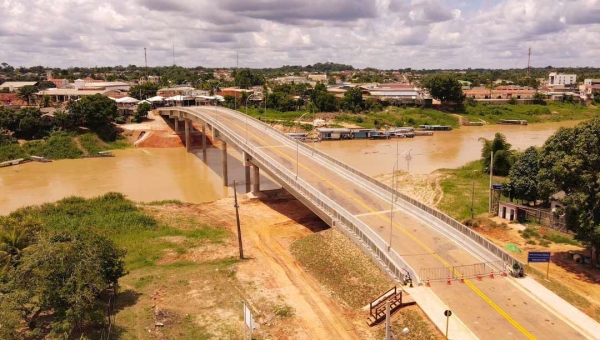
(435, 127)
(14, 162)
(512, 122)
(40, 159)
(100, 154)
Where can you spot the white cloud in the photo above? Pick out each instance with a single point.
(269, 33)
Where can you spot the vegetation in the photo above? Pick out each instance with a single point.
(569, 162)
(524, 183)
(503, 154)
(551, 112)
(400, 116)
(142, 112)
(444, 87)
(144, 91)
(341, 267)
(457, 185)
(96, 112)
(57, 146)
(83, 240)
(27, 93)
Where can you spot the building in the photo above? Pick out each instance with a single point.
(293, 80)
(59, 82)
(555, 79)
(591, 82)
(500, 92)
(14, 86)
(234, 92)
(318, 77)
(177, 91)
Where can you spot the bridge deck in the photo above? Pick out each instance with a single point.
(495, 308)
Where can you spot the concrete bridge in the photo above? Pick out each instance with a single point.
(401, 235)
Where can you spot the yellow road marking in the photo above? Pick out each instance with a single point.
(411, 236)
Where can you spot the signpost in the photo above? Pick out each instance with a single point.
(539, 257)
(448, 314)
(248, 320)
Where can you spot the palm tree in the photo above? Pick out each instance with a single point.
(27, 93)
(15, 238)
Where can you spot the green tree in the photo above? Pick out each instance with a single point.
(142, 112)
(46, 85)
(503, 155)
(245, 79)
(523, 177)
(570, 161)
(27, 93)
(143, 91)
(353, 100)
(444, 87)
(97, 112)
(596, 96)
(539, 98)
(30, 125)
(16, 235)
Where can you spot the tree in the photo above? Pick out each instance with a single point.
(444, 87)
(93, 111)
(569, 161)
(503, 155)
(27, 93)
(353, 100)
(523, 177)
(142, 112)
(596, 96)
(143, 91)
(539, 98)
(46, 85)
(245, 79)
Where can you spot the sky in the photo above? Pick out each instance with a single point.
(385, 34)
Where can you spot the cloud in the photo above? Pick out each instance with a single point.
(269, 33)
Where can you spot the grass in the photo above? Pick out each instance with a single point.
(61, 146)
(11, 151)
(552, 112)
(418, 327)
(341, 267)
(126, 224)
(457, 187)
(547, 237)
(397, 116)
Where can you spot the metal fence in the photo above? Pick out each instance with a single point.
(349, 225)
(464, 271)
(478, 242)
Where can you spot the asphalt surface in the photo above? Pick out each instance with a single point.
(493, 308)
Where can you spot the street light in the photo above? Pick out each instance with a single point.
(215, 95)
(247, 116)
(394, 169)
(298, 145)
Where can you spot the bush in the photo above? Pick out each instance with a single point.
(11, 151)
(58, 146)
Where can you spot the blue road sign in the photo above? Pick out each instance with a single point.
(538, 256)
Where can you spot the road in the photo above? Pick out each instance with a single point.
(491, 308)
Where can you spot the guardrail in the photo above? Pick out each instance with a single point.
(351, 226)
(440, 216)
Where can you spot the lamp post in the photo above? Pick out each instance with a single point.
(298, 145)
(247, 116)
(215, 95)
(394, 169)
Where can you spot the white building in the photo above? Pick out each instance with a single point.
(555, 79)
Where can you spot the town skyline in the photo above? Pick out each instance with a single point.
(383, 34)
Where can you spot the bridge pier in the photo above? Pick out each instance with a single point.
(247, 159)
(204, 142)
(187, 135)
(176, 125)
(225, 179)
(256, 182)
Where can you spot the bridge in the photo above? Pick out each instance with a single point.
(403, 236)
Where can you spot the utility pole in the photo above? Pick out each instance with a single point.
(472, 200)
(146, 59)
(388, 325)
(237, 218)
(491, 174)
(173, 54)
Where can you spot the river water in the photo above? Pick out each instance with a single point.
(159, 174)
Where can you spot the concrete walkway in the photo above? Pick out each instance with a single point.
(434, 308)
(561, 308)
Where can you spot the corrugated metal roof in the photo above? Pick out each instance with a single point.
(18, 84)
(394, 93)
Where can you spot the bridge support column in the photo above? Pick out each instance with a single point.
(187, 135)
(256, 182)
(247, 160)
(225, 179)
(176, 125)
(204, 142)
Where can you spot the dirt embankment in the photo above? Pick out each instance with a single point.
(159, 132)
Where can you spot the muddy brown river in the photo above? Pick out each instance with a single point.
(159, 174)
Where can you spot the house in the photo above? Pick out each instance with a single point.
(318, 77)
(176, 91)
(59, 82)
(14, 86)
(234, 92)
(293, 80)
(555, 79)
(64, 95)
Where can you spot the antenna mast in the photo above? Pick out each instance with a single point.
(173, 54)
(146, 59)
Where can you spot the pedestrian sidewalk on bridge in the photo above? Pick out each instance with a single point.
(434, 308)
(569, 313)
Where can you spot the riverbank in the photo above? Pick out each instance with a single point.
(551, 112)
(61, 146)
(186, 281)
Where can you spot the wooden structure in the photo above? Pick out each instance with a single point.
(397, 298)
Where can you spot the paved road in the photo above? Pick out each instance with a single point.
(492, 308)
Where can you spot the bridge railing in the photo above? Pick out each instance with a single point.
(351, 226)
(431, 212)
